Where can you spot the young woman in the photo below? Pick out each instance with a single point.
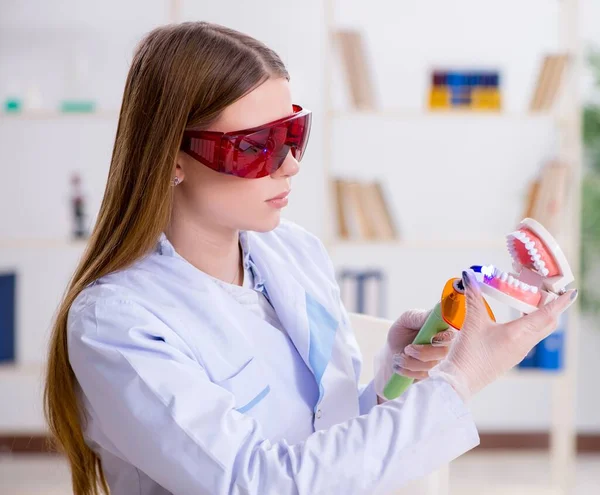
(202, 347)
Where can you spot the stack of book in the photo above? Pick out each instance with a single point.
(362, 211)
(546, 196)
(465, 90)
(363, 291)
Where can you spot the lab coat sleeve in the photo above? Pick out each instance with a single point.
(159, 411)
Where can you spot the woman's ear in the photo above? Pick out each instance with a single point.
(180, 166)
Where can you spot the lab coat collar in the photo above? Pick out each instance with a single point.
(165, 248)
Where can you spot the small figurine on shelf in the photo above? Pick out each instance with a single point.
(78, 204)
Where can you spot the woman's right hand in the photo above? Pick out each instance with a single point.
(484, 349)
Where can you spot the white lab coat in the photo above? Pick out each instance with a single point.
(178, 400)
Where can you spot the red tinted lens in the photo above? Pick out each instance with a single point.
(204, 149)
(261, 153)
(298, 134)
(258, 154)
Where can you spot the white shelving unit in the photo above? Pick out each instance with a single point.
(563, 433)
(404, 114)
(567, 123)
(54, 114)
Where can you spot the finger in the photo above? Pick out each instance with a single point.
(409, 363)
(426, 352)
(413, 319)
(417, 375)
(476, 312)
(444, 338)
(546, 317)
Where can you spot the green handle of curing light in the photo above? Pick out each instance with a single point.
(433, 325)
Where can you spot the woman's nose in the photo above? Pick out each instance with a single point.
(289, 167)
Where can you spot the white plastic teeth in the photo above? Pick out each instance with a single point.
(508, 278)
(529, 244)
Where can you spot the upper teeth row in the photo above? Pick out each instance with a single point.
(509, 279)
(529, 244)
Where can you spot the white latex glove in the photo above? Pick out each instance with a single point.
(398, 355)
(484, 349)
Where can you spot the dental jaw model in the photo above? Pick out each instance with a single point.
(540, 274)
(541, 270)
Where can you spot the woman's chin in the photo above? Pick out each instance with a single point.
(268, 223)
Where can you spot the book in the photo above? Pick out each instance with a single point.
(373, 204)
(362, 211)
(532, 195)
(364, 217)
(550, 351)
(7, 317)
(356, 68)
(338, 193)
(373, 292)
(530, 360)
(355, 218)
(549, 81)
(383, 211)
(362, 290)
(550, 195)
(348, 283)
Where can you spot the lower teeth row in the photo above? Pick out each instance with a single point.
(510, 280)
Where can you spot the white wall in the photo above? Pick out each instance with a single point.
(420, 156)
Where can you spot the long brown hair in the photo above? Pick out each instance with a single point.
(182, 75)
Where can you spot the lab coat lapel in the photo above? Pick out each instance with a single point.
(287, 296)
(310, 324)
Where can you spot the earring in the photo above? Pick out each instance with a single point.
(176, 181)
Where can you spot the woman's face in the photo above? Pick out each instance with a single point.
(226, 201)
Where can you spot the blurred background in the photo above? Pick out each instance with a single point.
(437, 126)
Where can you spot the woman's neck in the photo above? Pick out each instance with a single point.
(212, 249)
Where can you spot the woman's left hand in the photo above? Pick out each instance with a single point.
(400, 356)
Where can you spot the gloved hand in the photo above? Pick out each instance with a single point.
(484, 349)
(413, 361)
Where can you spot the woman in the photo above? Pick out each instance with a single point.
(202, 346)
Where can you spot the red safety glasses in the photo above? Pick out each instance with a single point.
(251, 153)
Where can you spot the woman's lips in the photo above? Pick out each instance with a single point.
(280, 200)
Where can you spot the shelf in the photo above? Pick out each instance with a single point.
(534, 374)
(512, 489)
(56, 115)
(408, 114)
(421, 244)
(41, 243)
(31, 369)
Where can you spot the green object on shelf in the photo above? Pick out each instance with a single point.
(77, 106)
(433, 325)
(13, 105)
